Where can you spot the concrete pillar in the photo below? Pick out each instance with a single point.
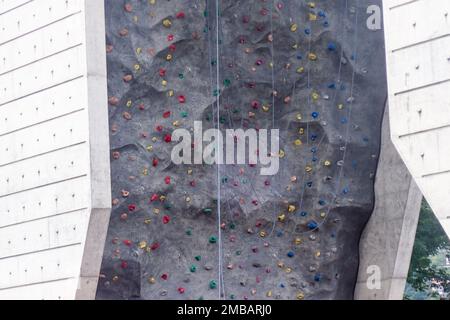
(387, 241)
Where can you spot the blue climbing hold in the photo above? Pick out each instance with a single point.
(332, 46)
(312, 225)
(317, 277)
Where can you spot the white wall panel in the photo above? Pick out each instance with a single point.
(44, 202)
(49, 136)
(6, 5)
(42, 75)
(42, 235)
(61, 289)
(38, 267)
(418, 62)
(34, 16)
(53, 39)
(53, 147)
(43, 170)
(420, 110)
(43, 106)
(415, 21)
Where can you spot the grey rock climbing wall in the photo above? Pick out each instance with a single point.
(311, 69)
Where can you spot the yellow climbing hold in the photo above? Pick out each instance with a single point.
(167, 23)
(142, 245)
(294, 27)
(315, 96)
(312, 56)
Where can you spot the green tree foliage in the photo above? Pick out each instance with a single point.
(430, 240)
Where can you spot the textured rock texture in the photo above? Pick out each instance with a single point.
(294, 235)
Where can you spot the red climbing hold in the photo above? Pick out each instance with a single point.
(182, 99)
(166, 219)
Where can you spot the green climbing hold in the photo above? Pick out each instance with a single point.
(213, 240)
(227, 82)
(184, 114)
(212, 284)
(189, 232)
(198, 258)
(193, 268)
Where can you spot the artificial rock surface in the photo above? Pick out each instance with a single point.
(294, 235)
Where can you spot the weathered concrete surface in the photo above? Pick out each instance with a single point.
(54, 142)
(419, 81)
(388, 238)
(100, 173)
(327, 94)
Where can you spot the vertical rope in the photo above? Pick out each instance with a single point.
(219, 154)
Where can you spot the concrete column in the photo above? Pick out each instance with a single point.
(387, 241)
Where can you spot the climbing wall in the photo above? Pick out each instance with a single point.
(311, 69)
